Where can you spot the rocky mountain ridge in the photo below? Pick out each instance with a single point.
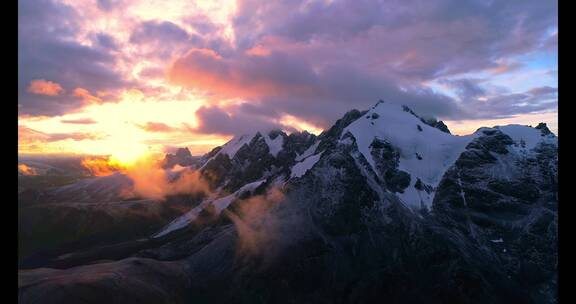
(383, 205)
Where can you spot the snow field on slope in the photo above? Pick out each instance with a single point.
(437, 149)
(302, 167)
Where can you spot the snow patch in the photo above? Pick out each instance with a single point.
(528, 136)
(462, 193)
(230, 148)
(219, 205)
(223, 203)
(302, 167)
(308, 152)
(250, 187)
(182, 221)
(274, 145)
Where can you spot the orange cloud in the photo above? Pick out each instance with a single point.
(45, 87)
(86, 96)
(258, 50)
(157, 127)
(151, 181)
(243, 76)
(300, 124)
(25, 170)
(101, 166)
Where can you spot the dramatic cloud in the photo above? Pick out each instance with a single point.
(44, 87)
(161, 40)
(245, 76)
(206, 70)
(158, 31)
(47, 49)
(203, 24)
(85, 96)
(81, 121)
(423, 38)
(537, 100)
(284, 82)
(216, 120)
(466, 88)
(157, 127)
(316, 60)
(106, 41)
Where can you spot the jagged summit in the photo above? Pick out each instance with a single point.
(183, 152)
(423, 148)
(424, 152)
(544, 128)
(431, 121)
(182, 157)
(273, 138)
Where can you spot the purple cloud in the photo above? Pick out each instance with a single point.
(46, 51)
(316, 60)
(215, 120)
(158, 31)
(311, 59)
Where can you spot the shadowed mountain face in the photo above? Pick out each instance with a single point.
(385, 206)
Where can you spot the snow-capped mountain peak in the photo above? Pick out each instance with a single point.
(425, 152)
(274, 140)
(409, 156)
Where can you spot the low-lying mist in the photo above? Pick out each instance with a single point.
(149, 179)
(268, 225)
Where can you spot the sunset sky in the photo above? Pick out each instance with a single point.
(123, 77)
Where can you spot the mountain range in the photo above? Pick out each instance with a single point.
(384, 206)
